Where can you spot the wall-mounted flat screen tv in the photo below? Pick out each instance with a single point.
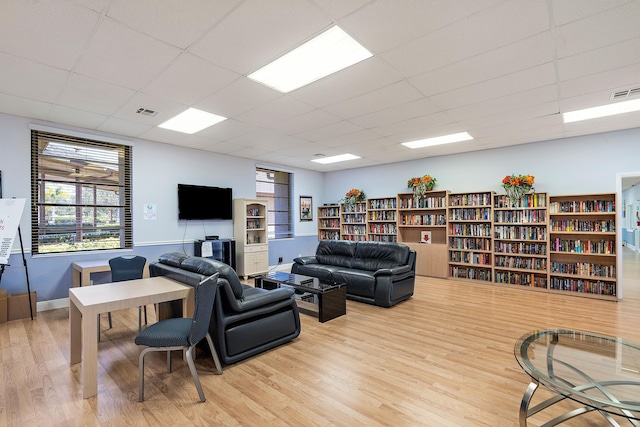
(202, 202)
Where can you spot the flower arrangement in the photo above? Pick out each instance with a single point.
(421, 185)
(354, 196)
(517, 186)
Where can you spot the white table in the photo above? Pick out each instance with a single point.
(81, 271)
(85, 303)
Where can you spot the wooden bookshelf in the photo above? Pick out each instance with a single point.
(521, 241)
(422, 225)
(329, 222)
(382, 219)
(353, 221)
(583, 256)
(470, 235)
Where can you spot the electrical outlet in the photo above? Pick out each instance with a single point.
(280, 260)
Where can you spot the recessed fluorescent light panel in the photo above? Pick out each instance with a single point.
(191, 121)
(335, 159)
(325, 54)
(439, 140)
(602, 111)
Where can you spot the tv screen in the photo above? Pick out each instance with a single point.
(201, 202)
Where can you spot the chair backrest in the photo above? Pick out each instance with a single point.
(127, 268)
(205, 295)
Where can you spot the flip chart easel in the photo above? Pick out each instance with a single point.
(10, 214)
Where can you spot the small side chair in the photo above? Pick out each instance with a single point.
(182, 334)
(128, 268)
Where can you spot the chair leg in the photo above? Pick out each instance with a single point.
(141, 376)
(98, 328)
(110, 324)
(216, 360)
(168, 361)
(139, 319)
(194, 373)
(145, 315)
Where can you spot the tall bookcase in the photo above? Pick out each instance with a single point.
(353, 221)
(583, 245)
(329, 222)
(382, 219)
(250, 234)
(521, 241)
(470, 235)
(422, 225)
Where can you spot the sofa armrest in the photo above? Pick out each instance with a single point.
(392, 271)
(262, 297)
(304, 260)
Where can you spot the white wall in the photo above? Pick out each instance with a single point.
(584, 164)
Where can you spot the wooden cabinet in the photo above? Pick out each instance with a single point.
(583, 245)
(521, 241)
(329, 222)
(353, 221)
(470, 235)
(382, 219)
(250, 233)
(422, 225)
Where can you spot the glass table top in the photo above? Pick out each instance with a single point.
(596, 370)
(300, 281)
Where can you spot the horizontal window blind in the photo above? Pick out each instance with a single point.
(275, 186)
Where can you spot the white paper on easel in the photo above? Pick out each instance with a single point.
(207, 249)
(10, 214)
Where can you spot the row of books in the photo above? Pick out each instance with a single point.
(582, 206)
(356, 207)
(470, 214)
(353, 229)
(584, 286)
(584, 269)
(355, 237)
(359, 218)
(469, 243)
(470, 257)
(470, 273)
(574, 225)
(535, 200)
(382, 238)
(383, 228)
(328, 235)
(426, 203)
(254, 224)
(521, 232)
(329, 223)
(330, 211)
(389, 203)
(538, 264)
(522, 279)
(253, 211)
(475, 199)
(382, 215)
(533, 216)
(601, 247)
(521, 248)
(431, 219)
(476, 230)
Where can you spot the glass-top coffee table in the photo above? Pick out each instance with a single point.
(325, 300)
(600, 372)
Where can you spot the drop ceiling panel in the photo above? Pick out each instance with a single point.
(330, 131)
(278, 110)
(52, 33)
(105, 98)
(24, 107)
(115, 45)
(260, 32)
(240, 96)
(228, 129)
(123, 127)
(614, 80)
(363, 136)
(171, 21)
(420, 107)
(610, 27)
(190, 79)
(305, 122)
(73, 117)
(30, 79)
(420, 125)
(339, 8)
(166, 109)
(566, 11)
(600, 60)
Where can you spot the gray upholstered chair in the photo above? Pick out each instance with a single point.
(182, 333)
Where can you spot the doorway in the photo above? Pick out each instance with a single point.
(628, 256)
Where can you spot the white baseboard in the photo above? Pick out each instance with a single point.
(52, 304)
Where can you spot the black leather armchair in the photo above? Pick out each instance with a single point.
(245, 321)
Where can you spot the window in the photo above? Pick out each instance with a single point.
(276, 188)
(81, 194)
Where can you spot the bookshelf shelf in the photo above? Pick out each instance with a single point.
(382, 219)
(329, 222)
(353, 221)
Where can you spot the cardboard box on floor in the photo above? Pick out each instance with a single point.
(3, 306)
(18, 305)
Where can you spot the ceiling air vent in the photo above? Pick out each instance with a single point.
(625, 94)
(147, 112)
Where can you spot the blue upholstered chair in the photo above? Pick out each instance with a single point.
(182, 333)
(128, 268)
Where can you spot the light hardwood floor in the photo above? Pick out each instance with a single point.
(443, 358)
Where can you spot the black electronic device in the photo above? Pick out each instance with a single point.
(211, 237)
(202, 202)
(221, 250)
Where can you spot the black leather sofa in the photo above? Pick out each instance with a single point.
(377, 273)
(245, 320)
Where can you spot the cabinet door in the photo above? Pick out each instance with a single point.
(256, 262)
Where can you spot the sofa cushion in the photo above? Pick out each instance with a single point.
(335, 252)
(372, 256)
(173, 259)
(207, 267)
(359, 282)
(321, 271)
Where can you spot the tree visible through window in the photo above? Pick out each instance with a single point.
(275, 187)
(81, 193)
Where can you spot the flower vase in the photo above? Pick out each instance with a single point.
(515, 194)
